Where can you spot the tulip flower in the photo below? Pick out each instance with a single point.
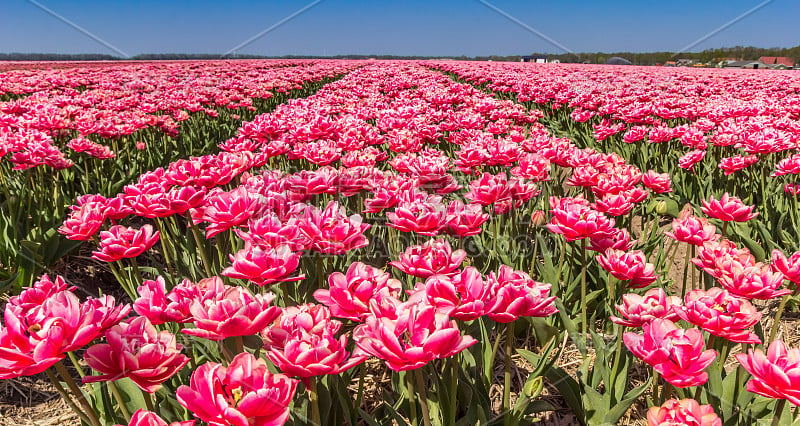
(721, 314)
(349, 294)
(121, 242)
(658, 182)
(678, 354)
(691, 229)
(752, 282)
(232, 312)
(465, 220)
(36, 336)
(513, 294)
(137, 351)
(331, 231)
(423, 217)
(728, 208)
(307, 352)
(683, 412)
(224, 210)
(83, 223)
(489, 189)
(462, 296)
(639, 310)
(264, 266)
(789, 267)
(416, 337)
(576, 222)
(243, 394)
(431, 258)
(776, 374)
(688, 160)
(631, 266)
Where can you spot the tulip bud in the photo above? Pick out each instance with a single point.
(538, 218)
(661, 207)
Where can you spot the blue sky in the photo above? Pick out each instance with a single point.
(408, 27)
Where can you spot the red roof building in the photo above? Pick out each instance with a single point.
(777, 60)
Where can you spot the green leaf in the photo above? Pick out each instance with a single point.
(131, 394)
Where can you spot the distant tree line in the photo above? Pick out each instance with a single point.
(56, 57)
(638, 58)
(706, 56)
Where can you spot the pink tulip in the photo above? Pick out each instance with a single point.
(576, 222)
(752, 282)
(232, 312)
(465, 220)
(462, 296)
(148, 418)
(268, 230)
(349, 295)
(431, 258)
(121, 242)
(658, 182)
(776, 374)
(688, 160)
(678, 354)
(721, 314)
(617, 239)
(263, 266)
(224, 210)
(489, 189)
(684, 412)
(37, 335)
(83, 223)
(728, 208)
(417, 336)
(639, 310)
(137, 351)
(307, 352)
(513, 294)
(307, 318)
(691, 229)
(331, 231)
(631, 266)
(789, 267)
(243, 394)
(423, 217)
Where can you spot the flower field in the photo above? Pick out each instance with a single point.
(402, 242)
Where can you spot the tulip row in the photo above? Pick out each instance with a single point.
(100, 115)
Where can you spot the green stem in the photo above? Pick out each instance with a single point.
(362, 372)
(76, 364)
(655, 388)
(776, 419)
(423, 397)
(137, 272)
(76, 391)
(584, 321)
(412, 398)
(313, 399)
(120, 401)
(148, 401)
(507, 374)
(201, 247)
(163, 238)
(685, 274)
(777, 322)
(65, 396)
(239, 340)
(453, 389)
